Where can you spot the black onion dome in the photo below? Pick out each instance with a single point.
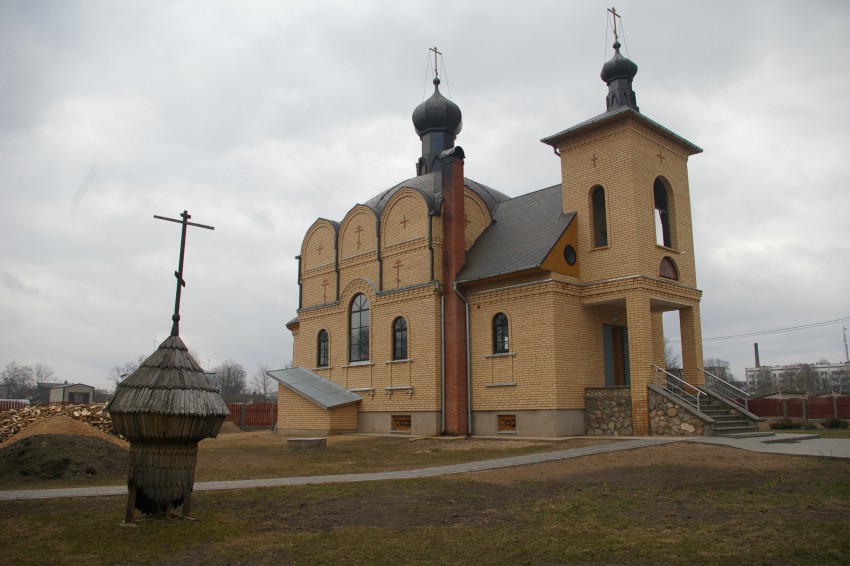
(438, 113)
(618, 67)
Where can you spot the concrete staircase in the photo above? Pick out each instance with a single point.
(727, 423)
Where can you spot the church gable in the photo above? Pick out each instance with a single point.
(405, 219)
(357, 233)
(319, 246)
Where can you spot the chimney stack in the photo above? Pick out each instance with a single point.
(756, 349)
(454, 256)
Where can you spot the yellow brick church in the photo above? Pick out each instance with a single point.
(442, 306)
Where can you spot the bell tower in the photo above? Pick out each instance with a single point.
(626, 178)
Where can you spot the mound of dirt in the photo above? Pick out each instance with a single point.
(40, 457)
(62, 425)
(60, 447)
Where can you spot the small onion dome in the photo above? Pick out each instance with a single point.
(437, 114)
(618, 67)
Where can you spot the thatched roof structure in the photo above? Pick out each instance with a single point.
(169, 383)
(165, 408)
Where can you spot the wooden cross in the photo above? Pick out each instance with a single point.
(319, 249)
(660, 157)
(358, 231)
(398, 265)
(325, 291)
(404, 222)
(436, 69)
(615, 15)
(594, 158)
(175, 327)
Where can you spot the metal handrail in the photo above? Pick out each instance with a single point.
(678, 387)
(725, 388)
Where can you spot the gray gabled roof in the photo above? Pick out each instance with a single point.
(323, 392)
(522, 234)
(616, 114)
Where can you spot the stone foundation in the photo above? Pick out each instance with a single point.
(608, 411)
(667, 418)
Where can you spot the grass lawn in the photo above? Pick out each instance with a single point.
(677, 504)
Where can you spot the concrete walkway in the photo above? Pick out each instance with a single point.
(795, 444)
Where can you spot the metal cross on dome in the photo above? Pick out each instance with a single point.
(175, 327)
(436, 68)
(614, 15)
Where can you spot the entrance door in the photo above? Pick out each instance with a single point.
(616, 348)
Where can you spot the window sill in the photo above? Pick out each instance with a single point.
(670, 250)
(506, 432)
(404, 361)
(501, 384)
(369, 390)
(320, 368)
(600, 248)
(359, 364)
(502, 355)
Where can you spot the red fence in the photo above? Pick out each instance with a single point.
(766, 408)
(843, 404)
(255, 415)
(6, 404)
(818, 408)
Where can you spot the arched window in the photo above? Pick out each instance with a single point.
(662, 214)
(322, 349)
(358, 345)
(668, 269)
(600, 221)
(501, 343)
(400, 339)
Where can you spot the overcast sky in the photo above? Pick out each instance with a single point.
(258, 117)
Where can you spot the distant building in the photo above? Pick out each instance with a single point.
(77, 393)
(828, 376)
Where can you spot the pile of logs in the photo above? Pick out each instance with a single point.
(13, 420)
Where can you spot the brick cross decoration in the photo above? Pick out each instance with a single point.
(358, 231)
(404, 222)
(397, 266)
(660, 157)
(466, 218)
(325, 291)
(319, 249)
(594, 158)
(175, 327)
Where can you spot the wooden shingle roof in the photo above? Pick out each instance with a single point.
(169, 382)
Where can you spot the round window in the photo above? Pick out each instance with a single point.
(570, 254)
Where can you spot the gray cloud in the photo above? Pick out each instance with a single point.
(258, 118)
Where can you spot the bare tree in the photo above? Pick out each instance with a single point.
(263, 384)
(671, 358)
(719, 368)
(807, 379)
(42, 373)
(118, 373)
(19, 380)
(230, 377)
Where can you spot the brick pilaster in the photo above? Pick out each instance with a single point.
(454, 256)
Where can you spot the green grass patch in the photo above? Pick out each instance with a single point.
(612, 509)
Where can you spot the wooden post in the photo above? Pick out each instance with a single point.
(187, 505)
(131, 502)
